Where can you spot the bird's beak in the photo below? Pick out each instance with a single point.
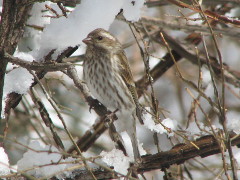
(87, 40)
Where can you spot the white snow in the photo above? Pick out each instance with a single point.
(131, 9)
(4, 163)
(117, 159)
(23, 56)
(1, 2)
(37, 13)
(193, 128)
(128, 145)
(18, 80)
(237, 157)
(43, 156)
(150, 124)
(206, 76)
(233, 124)
(32, 36)
(87, 16)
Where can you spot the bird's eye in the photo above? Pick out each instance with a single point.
(99, 38)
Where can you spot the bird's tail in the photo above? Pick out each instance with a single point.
(127, 122)
(132, 133)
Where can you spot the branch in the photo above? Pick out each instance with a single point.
(71, 3)
(209, 14)
(37, 66)
(187, 27)
(179, 52)
(208, 145)
(180, 153)
(157, 71)
(150, 4)
(231, 76)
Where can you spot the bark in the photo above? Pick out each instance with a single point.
(13, 20)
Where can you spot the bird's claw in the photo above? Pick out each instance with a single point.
(90, 108)
(92, 103)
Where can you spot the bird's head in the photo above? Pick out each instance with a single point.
(102, 39)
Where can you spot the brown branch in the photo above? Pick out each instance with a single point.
(208, 145)
(179, 52)
(188, 27)
(157, 71)
(71, 3)
(231, 76)
(209, 14)
(36, 66)
(46, 118)
(180, 153)
(87, 140)
(150, 4)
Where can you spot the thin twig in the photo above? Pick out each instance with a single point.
(222, 110)
(36, 66)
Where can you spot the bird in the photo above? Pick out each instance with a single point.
(108, 76)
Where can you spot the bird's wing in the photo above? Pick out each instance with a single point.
(126, 74)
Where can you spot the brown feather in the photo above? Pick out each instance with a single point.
(127, 76)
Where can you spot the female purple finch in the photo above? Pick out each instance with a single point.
(108, 76)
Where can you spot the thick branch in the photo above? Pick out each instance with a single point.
(177, 155)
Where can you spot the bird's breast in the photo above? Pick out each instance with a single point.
(105, 83)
